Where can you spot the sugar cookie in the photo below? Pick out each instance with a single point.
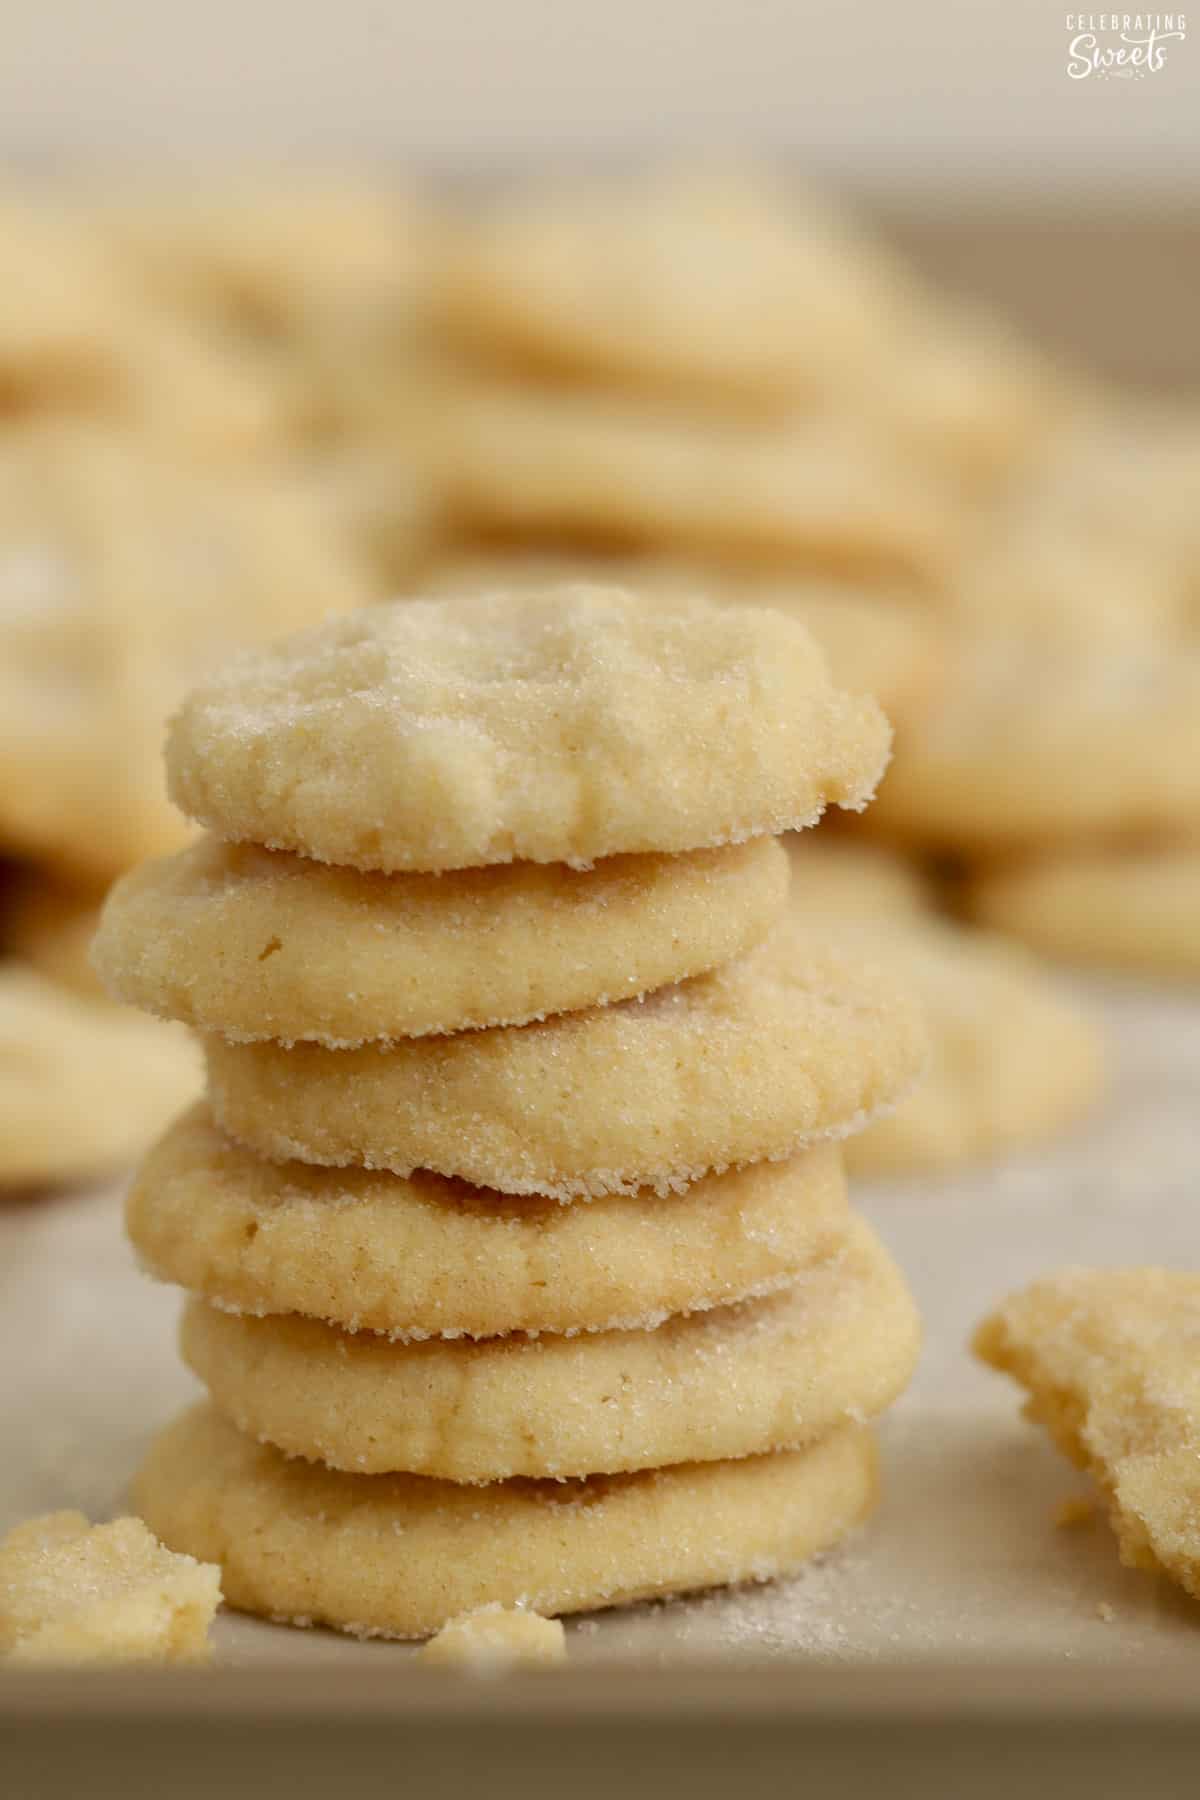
(400, 1555)
(1030, 745)
(84, 1086)
(123, 574)
(260, 944)
(277, 254)
(1133, 908)
(497, 1637)
(559, 726)
(1109, 1359)
(710, 280)
(423, 1256)
(880, 644)
(812, 493)
(767, 1374)
(1013, 1060)
(74, 1594)
(803, 1038)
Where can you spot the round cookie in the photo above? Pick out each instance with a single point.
(1131, 908)
(1013, 1059)
(422, 1256)
(84, 1085)
(124, 573)
(701, 281)
(811, 492)
(767, 1374)
(1108, 1357)
(558, 726)
(399, 1555)
(803, 1038)
(260, 944)
(874, 643)
(1031, 746)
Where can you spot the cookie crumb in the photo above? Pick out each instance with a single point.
(496, 1638)
(74, 1593)
(1105, 1611)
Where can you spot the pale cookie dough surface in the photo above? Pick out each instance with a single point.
(879, 644)
(1109, 1357)
(1030, 746)
(1013, 1059)
(1131, 908)
(73, 1593)
(701, 280)
(400, 1555)
(804, 1038)
(84, 1085)
(768, 1374)
(426, 1257)
(608, 469)
(123, 575)
(496, 1638)
(559, 726)
(261, 944)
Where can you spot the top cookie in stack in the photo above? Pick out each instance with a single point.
(494, 900)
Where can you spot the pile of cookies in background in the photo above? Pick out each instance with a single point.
(230, 407)
(515, 1225)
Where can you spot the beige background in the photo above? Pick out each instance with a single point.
(907, 97)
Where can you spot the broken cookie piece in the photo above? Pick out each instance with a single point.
(73, 1593)
(1111, 1360)
(496, 1638)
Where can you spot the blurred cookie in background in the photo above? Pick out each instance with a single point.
(122, 576)
(1013, 1060)
(48, 922)
(84, 1085)
(721, 283)
(1127, 907)
(1032, 746)
(815, 495)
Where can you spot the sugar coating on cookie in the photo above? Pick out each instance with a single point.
(803, 1038)
(400, 1555)
(1128, 907)
(73, 1593)
(495, 1638)
(421, 1256)
(84, 1085)
(1013, 1059)
(261, 944)
(558, 726)
(1109, 1359)
(875, 643)
(768, 1374)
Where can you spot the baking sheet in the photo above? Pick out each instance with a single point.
(963, 1562)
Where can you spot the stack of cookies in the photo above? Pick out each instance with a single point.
(514, 1223)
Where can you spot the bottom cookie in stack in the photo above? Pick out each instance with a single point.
(399, 1555)
(503, 1433)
